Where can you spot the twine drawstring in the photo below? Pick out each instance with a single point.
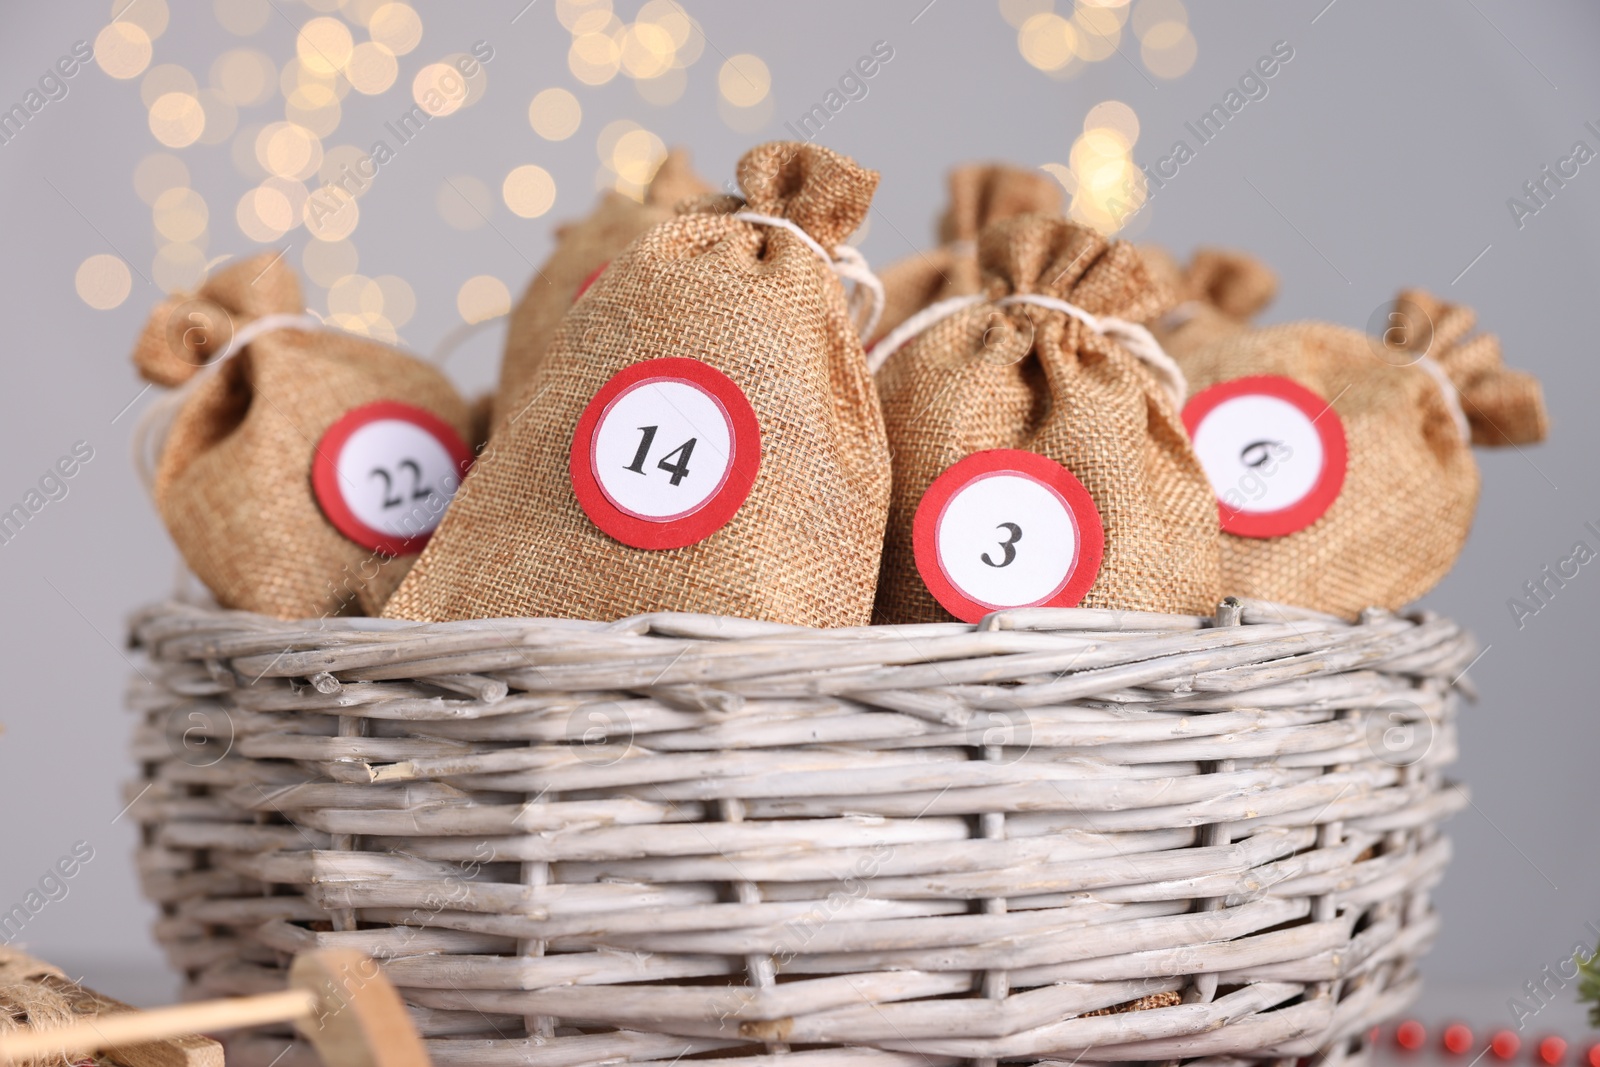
(1452, 397)
(845, 261)
(1135, 338)
(155, 424)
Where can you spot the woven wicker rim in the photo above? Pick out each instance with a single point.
(682, 835)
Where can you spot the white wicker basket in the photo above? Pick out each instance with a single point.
(687, 836)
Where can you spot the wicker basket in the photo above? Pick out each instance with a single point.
(1066, 835)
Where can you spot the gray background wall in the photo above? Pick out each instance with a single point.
(1382, 157)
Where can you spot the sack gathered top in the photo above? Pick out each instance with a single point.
(299, 469)
(1342, 462)
(1041, 396)
(702, 433)
(980, 194)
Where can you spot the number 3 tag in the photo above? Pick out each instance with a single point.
(665, 454)
(1007, 529)
(384, 473)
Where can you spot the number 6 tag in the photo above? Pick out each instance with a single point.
(665, 454)
(1007, 529)
(384, 473)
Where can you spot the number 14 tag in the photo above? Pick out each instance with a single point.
(1007, 529)
(665, 454)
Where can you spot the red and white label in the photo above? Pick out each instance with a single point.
(1273, 450)
(1007, 529)
(666, 453)
(385, 472)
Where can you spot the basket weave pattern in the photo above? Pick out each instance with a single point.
(683, 835)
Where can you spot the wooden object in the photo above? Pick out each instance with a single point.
(338, 999)
(674, 836)
(34, 994)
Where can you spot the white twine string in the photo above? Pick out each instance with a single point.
(1181, 315)
(895, 339)
(1452, 399)
(845, 261)
(1132, 336)
(155, 425)
(1186, 311)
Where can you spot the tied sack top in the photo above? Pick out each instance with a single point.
(706, 303)
(233, 480)
(1003, 374)
(1221, 290)
(980, 194)
(1409, 406)
(582, 249)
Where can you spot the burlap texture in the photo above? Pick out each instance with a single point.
(980, 194)
(755, 303)
(1030, 378)
(1219, 291)
(32, 997)
(582, 247)
(1411, 484)
(233, 482)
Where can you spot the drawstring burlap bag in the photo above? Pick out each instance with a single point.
(231, 452)
(737, 291)
(980, 194)
(1410, 406)
(1000, 371)
(1221, 290)
(583, 247)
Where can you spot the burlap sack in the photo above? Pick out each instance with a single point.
(1221, 290)
(755, 303)
(1410, 484)
(980, 194)
(233, 480)
(583, 247)
(1028, 378)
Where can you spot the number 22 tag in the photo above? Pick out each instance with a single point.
(384, 473)
(1007, 529)
(665, 454)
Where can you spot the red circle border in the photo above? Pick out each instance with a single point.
(1335, 453)
(325, 471)
(1041, 469)
(719, 508)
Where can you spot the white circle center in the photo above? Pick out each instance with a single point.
(1260, 452)
(397, 477)
(1007, 541)
(662, 449)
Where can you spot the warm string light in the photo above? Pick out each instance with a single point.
(1062, 44)
(345, 45)
(1105, 187)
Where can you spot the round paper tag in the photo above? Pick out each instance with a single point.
(384, 473)
(1273, 450)
(666, 453)
(1007, 529)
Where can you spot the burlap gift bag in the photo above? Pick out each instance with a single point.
(1383, 509)
(271, 462)
(1011, 369)
(980, 194)
(723, 306)
(582, 248)
(1220, 290)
